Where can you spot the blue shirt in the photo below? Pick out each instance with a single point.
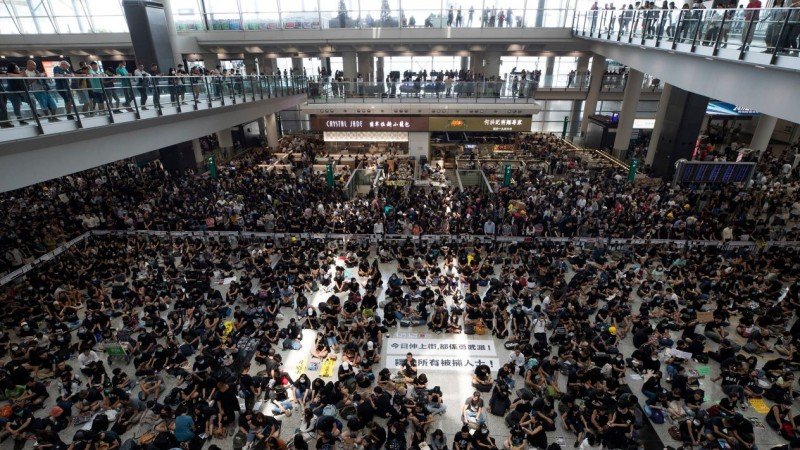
(183, 428)
(61, 83)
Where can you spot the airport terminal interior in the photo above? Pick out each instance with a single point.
(399, 224)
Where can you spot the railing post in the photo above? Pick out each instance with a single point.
(74, 106)
(107, 102)
(696, 31)
(748, 30)
(194, 92)
(779, 39)
(720, 32)
(678, 28)
(664, 13)
(32, 105)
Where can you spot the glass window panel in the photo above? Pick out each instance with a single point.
(221, 6)
(253, 6)
(187, 15)
(104, 8)
(261, 21)
(65, 8)
(109, 24)
(7, 26)
(68, 24)
(28, 25)
(383, 13)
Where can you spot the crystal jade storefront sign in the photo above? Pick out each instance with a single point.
(368, 123)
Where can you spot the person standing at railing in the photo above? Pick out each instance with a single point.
(459, 18)
(11, 90)
(122, 72)
(172, 85)
(61, 72)
(751, 15)
(450, 16)
(471, 15)
(509, 18)
(194, 80)
(155, 77)
(97, 86)
(182, 74)
(793, 33)
(111, 89)
(774, 19)
(143, 80)
(39, 87)
(81, 87)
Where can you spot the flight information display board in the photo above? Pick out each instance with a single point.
(689, 172)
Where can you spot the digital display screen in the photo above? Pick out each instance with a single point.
(710, 172)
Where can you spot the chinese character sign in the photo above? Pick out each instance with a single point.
(441, 347)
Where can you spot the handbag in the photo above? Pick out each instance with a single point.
(147, 438)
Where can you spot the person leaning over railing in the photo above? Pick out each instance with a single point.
(81, 87)
(143, 82)
(127, 91)
(97, 86)
(39, 87)
(61, 71)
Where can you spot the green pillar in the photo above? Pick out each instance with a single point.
(507, 175)
(212, 166)
(564, 130)
(632, 169)
(329, 175)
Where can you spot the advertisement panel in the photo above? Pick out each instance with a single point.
(368, 123)
(480, 123)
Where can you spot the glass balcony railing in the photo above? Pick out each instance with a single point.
(763, 36)
(31, 106)
(436, 17)
(441, 91)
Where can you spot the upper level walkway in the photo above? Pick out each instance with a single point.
(744, 56)
(54, 127)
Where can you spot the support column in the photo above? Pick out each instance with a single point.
(173, 34)
(476, 61)
(225, 139)
(146, 22)
(380, 75)
(589, 107)
(465, 63)
(661, 113)
(210, 61)
(268, 65)
(349, 65)
(581, 72)
(326, 64)
(297, 66)
(249, 64)
(270, 131)
(419, 144)
(575, 118)
(365, 66)
(540, 13)
(198, 152)
(549, 68)
(630, 101)
(682, 119)
(492, 64)
(763, 133)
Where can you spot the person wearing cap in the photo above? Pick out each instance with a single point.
(473, 411)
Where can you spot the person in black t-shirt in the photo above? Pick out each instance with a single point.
(463, 440)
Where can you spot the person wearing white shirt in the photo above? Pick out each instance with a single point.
(87, 359)
(540, 328)
(489, 228)
(518, 359)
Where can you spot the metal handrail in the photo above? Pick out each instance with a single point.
(80, 100)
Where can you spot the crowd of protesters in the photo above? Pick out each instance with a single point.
(566, 200)
(205, 326)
